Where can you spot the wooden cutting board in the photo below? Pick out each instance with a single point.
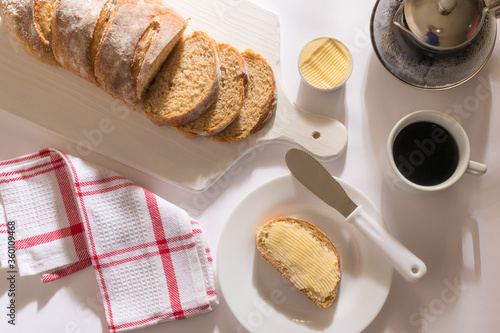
(80, 112)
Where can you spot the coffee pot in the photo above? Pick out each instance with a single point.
(444, 25)
(434, 44)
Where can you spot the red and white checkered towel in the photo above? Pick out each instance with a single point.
(151, 260)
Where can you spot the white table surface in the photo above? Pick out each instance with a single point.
(454, 231)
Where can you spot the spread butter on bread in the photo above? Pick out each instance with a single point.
(304, 255)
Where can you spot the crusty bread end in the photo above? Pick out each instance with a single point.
(30, 22)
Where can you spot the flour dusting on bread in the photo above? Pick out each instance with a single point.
(137, 51)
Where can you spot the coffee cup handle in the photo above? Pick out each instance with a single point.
(476, 169)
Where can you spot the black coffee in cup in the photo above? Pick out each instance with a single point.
(425, 153)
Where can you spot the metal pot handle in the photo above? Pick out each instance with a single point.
(398, 18)
(399, 21)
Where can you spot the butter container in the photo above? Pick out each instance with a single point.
(325, 64)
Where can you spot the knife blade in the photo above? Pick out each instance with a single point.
(311, 173)
(319, 181)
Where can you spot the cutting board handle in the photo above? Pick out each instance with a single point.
(321, 136)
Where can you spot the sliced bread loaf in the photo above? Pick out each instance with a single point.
(259, 104)
(234, 76)
(73, 30)
(30, 22)
(187, 83)
(134, 43)
(304, 255)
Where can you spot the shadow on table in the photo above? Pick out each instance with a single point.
(435, 226)
(83, 289)
(330, 104)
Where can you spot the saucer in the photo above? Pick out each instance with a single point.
(411, 64)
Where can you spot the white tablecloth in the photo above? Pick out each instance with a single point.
(454, 231)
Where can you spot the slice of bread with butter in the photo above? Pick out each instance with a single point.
(304, 255)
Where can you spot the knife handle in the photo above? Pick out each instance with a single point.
(404, 261)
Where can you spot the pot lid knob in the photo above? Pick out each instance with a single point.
(447, 6)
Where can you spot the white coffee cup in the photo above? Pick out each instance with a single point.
(465, 165)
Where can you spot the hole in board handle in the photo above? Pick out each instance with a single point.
(316, 135)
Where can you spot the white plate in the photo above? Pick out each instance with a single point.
(264, 301)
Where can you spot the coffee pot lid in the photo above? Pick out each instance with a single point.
(444, 23)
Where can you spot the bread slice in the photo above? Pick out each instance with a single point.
(127, 46)
(304, 255)
(30, 22)
(230, 97)
(73, 31)
(155, 45)
(259, 104)
(187, 83)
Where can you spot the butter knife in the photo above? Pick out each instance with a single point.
(319, 181)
